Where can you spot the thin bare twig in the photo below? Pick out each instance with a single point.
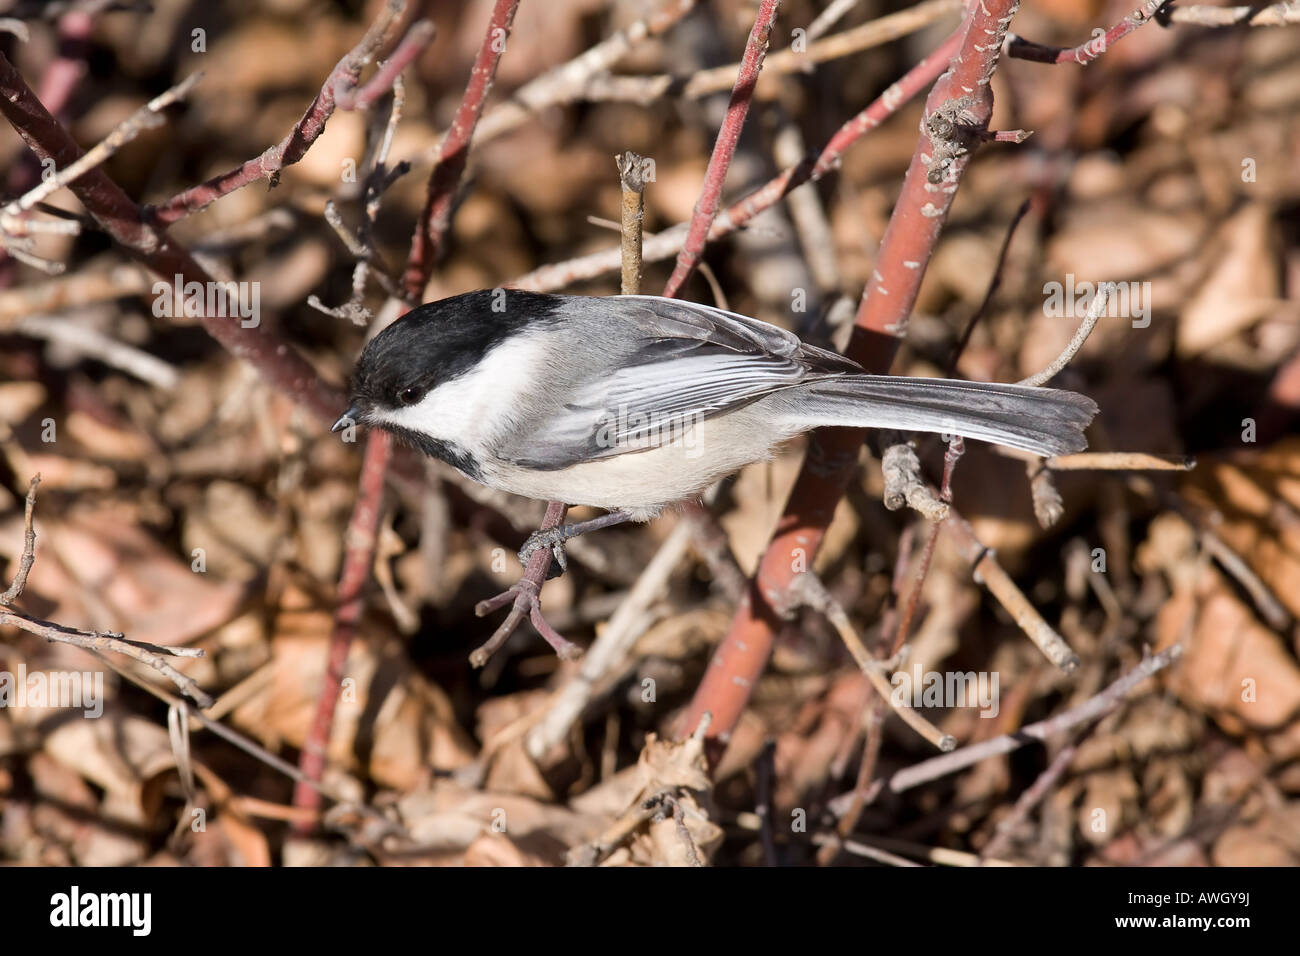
(15, 27)
(362, 244)
(855, 40)
(150, 654)
(146, 117)
(294, 146)
(995, 281)
(857, 848)
(942, 856)
(15, 590)
(417, 40)
(90, 342)
(1095, 707)
(1085, 52)
(568, 81)
(993, 576)
(865, 788)
(82, 287)
(1120, 461)
(1095, 309)
(808, 589)
(826, 20)
(1047, 500)
(1274, 15)
(1007, 827)
(648, 89)
(631, 168)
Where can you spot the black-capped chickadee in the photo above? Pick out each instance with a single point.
(632, 403)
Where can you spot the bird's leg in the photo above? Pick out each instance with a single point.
(554, 538)
(525, 598)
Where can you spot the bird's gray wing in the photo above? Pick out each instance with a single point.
(688, 362)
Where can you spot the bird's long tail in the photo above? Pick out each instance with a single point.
(1046, 421)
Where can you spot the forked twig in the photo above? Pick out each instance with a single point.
(1089, 50)
(299, 140)
(811, 591)
(149, 654)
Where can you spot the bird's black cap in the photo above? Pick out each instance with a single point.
(440, 341)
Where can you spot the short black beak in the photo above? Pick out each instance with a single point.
(347, 418)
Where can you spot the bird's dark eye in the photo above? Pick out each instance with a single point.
(408, 396)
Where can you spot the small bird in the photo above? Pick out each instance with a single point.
(632, 403)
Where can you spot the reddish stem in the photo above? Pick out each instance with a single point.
(358, 559)
(811, 169)
(364, 525)
(909, 241)
(64, 73)
(706, 208)
(58, 83)
(444, 181)
(292, 148)
(121, 218)
(415, 42)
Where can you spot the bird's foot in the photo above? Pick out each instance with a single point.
(548, 538)
(553, 539)
(524, 598)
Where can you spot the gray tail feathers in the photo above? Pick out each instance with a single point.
(1046, 421)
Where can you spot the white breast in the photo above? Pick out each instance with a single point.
(644, 482)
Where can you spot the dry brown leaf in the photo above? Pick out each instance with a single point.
(127, 756)
(1272, 840)
(18, 400)
(449, 818)
(1109, 805)
(408, 727)
(1233, 667)
(497, 849)
(1257, 495)
(1243, 286)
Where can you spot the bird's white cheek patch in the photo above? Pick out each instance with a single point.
(474, 409)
